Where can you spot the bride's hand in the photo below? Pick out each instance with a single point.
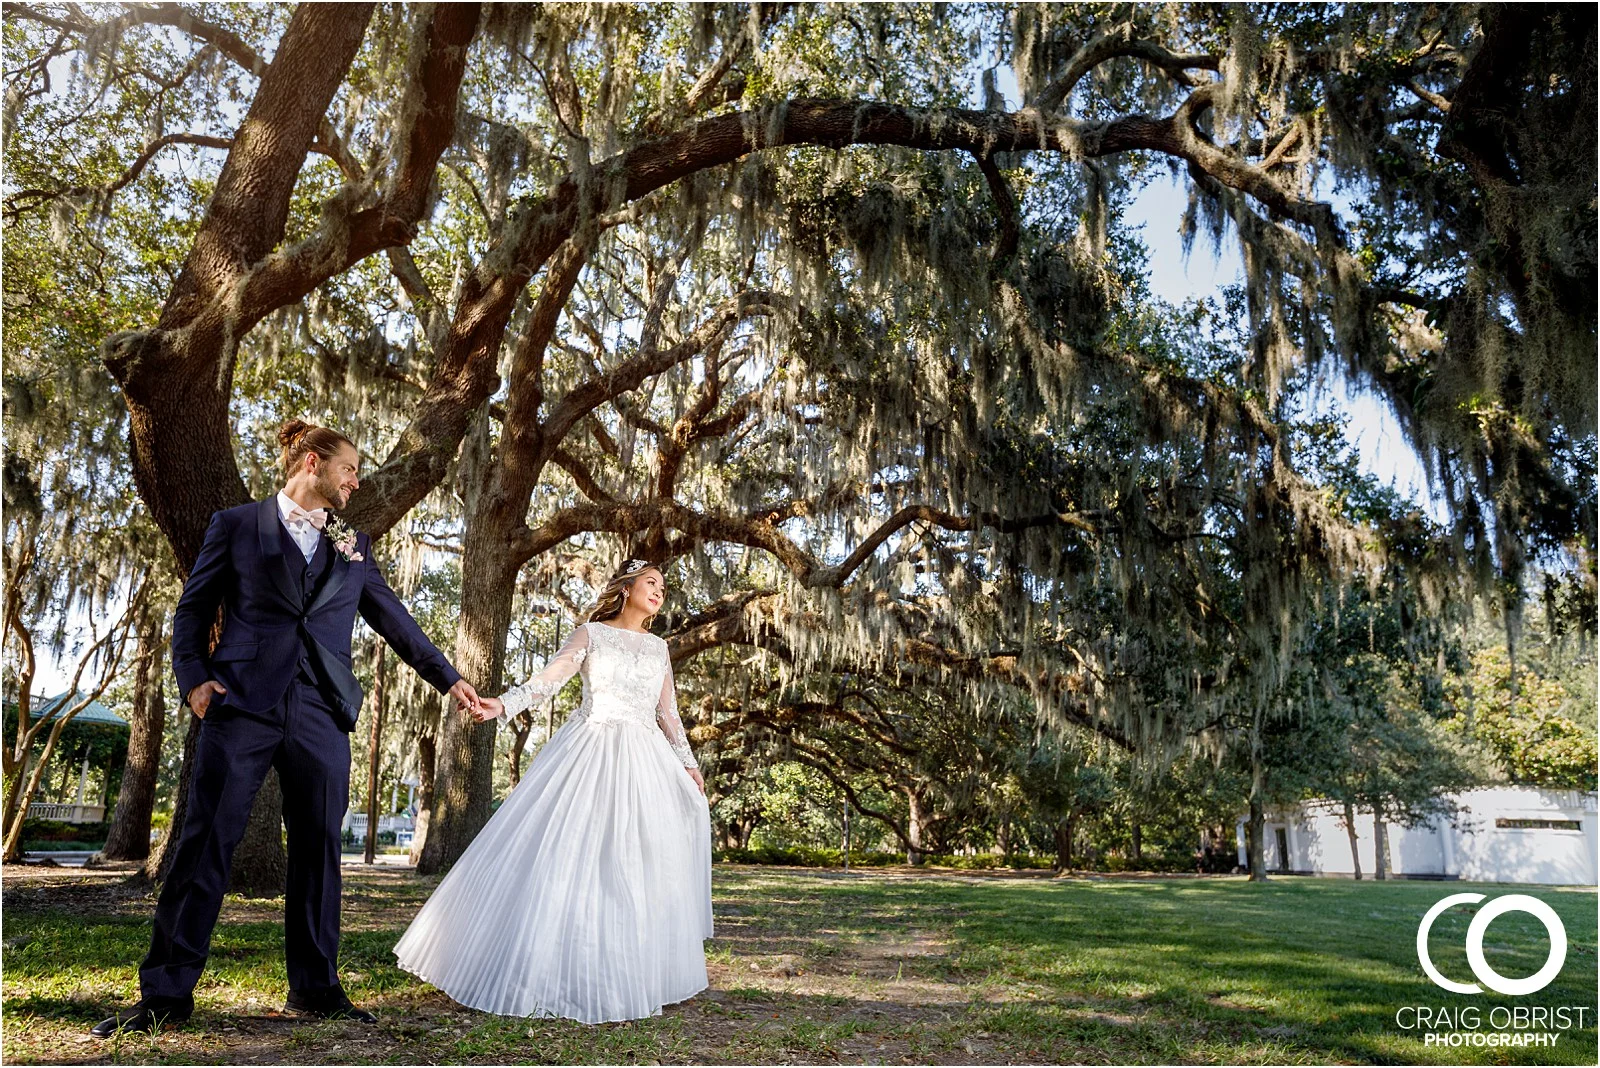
(699, 779)
(488, 708)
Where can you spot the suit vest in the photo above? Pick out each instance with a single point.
(307, 577)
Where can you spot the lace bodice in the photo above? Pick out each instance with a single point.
(627, 678)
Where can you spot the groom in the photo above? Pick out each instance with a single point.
(277, 691)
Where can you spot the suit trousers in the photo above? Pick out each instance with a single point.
(232, 755)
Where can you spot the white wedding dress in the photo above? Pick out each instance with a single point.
(588, 895)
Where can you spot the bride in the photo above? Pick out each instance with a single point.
(588, 895)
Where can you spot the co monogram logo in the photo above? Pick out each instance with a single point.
(1475, 932)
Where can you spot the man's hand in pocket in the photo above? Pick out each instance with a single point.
(200, 696)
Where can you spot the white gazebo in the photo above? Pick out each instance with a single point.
(83, 808)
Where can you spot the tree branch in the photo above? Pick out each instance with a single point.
(148, 153)
(582, 477)
(225, 41)
(1006, 206)
(539, 225)
(1119, 42)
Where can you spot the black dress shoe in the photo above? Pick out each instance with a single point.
(145, 1017)
(330, 1005)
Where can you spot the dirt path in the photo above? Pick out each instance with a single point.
(788, 983)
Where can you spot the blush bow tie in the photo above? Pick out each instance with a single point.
(317, 517)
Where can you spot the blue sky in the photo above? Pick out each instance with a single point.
(1157, 209)
(1373, 430)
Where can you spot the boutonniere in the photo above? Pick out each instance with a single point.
(343, 536)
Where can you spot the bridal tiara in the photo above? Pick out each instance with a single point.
(633, 567)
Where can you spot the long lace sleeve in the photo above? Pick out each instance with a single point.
(562, 667)
(667, 719)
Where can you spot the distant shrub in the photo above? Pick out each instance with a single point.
(36, 845)
(986, 861)
(59, 831)
(806, 857)
(1148, 862)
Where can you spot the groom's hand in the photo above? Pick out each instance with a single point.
(466, 697)
(200, 696)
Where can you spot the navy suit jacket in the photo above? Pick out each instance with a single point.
(270, 627)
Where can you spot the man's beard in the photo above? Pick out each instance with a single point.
(329, 490)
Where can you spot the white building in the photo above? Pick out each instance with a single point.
(1501, 834)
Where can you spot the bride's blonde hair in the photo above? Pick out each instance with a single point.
(609, 605)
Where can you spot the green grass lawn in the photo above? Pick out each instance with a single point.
(808, 966)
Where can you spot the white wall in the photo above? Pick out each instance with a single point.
(1487, 853)
(1471, 848)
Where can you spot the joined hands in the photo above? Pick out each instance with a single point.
(467, 699)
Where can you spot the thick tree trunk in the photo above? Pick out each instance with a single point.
(1380, 844)
(159, 863)
(427, 748)
(1255, 841)
(500, 488)
(916, 819)
(373, 749)
(259, 863)
(129, 837)
(464, 772)
(1256, 846)
(177, 378)
(464, 776)
(260, 867)
(1138, 844)
(1064, 832)
(1350, 829)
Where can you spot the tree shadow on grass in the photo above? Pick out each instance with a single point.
(860, 969)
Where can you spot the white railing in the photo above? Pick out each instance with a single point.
(64, 813)
(357, 823)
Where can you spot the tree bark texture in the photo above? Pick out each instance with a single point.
(1355, 845)
(1255, 841)
(427, 748)
(374, 748)
(129, 837)
(1380, 844)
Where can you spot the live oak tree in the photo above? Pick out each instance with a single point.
(941, 284)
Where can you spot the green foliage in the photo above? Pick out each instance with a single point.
(1130, 570)
(806, 857)
(1524, 723)
(57, 831)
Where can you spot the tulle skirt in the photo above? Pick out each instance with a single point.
(588, 895)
